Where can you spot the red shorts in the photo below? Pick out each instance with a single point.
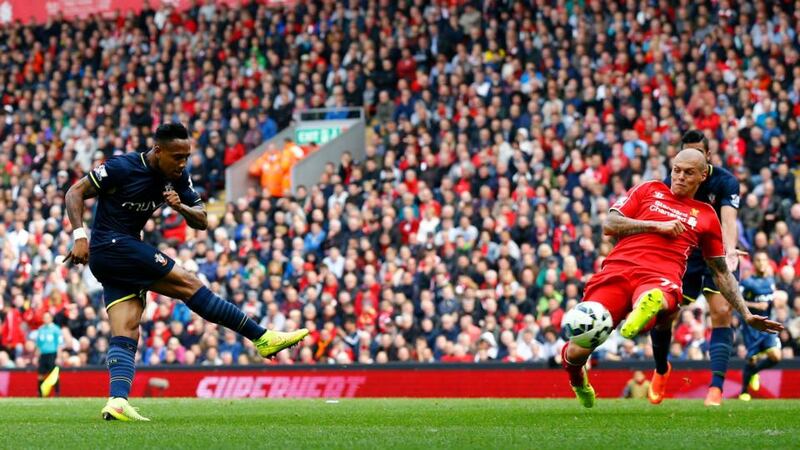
(618, 288)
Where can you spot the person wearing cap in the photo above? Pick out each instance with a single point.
(487, 347)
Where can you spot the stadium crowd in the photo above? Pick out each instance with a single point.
(500, 134)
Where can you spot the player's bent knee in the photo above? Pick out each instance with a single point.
(125, 318)
(665, 319)
(721, 320)
(132, 324)
(127, 329)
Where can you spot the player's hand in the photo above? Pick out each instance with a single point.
(172, 199)
(79, 253)
(763, 324)
(732, 259)
(671, 228)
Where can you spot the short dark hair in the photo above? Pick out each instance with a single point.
(170, 131)
(694, 137)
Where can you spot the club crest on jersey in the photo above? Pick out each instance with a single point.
(711, 198)
(160, 259)
(695, 211)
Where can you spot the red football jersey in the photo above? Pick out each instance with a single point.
(653, 200)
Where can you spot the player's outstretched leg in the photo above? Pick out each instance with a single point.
(646, 308)
(124, 318)
(214, 309)
(180, 284)
(576, 370)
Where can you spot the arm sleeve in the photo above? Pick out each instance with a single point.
(108, 175)
(186, 191)
(628, 205)
(711, 239)
(745, 289)
(730, 193)
(256, 167)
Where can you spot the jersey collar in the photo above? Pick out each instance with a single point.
(146, 164)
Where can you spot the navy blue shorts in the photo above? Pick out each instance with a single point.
(699, 279)
(758, 341)
(127, 267)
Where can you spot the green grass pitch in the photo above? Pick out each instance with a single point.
(402, 423)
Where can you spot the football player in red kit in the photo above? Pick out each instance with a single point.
(657, 227)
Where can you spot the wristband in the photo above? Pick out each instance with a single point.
(79, 233)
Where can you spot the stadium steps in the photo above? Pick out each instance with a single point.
(216, 205)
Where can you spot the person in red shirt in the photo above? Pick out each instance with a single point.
(406, 66)
(657, 227)
(234, 150)
(11, 334)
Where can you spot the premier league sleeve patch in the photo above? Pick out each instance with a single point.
(100, 172)
(159, 258)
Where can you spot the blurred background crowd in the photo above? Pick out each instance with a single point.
(500, 133)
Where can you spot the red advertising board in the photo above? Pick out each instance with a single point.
(40, 10)
(392, 382)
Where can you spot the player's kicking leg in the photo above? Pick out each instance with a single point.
(124, 314)
(182, 285)
(613, 292)
(573, 360)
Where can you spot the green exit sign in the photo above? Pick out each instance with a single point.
(318, 136)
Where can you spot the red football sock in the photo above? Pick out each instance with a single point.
(575, 372)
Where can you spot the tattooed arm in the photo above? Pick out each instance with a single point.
(729, 288)
(620, 226)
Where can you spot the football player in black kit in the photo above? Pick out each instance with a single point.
(721, 190)
(129, 189)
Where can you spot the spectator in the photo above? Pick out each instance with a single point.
(637, 387)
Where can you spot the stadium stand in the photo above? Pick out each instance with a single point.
(499, 135)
